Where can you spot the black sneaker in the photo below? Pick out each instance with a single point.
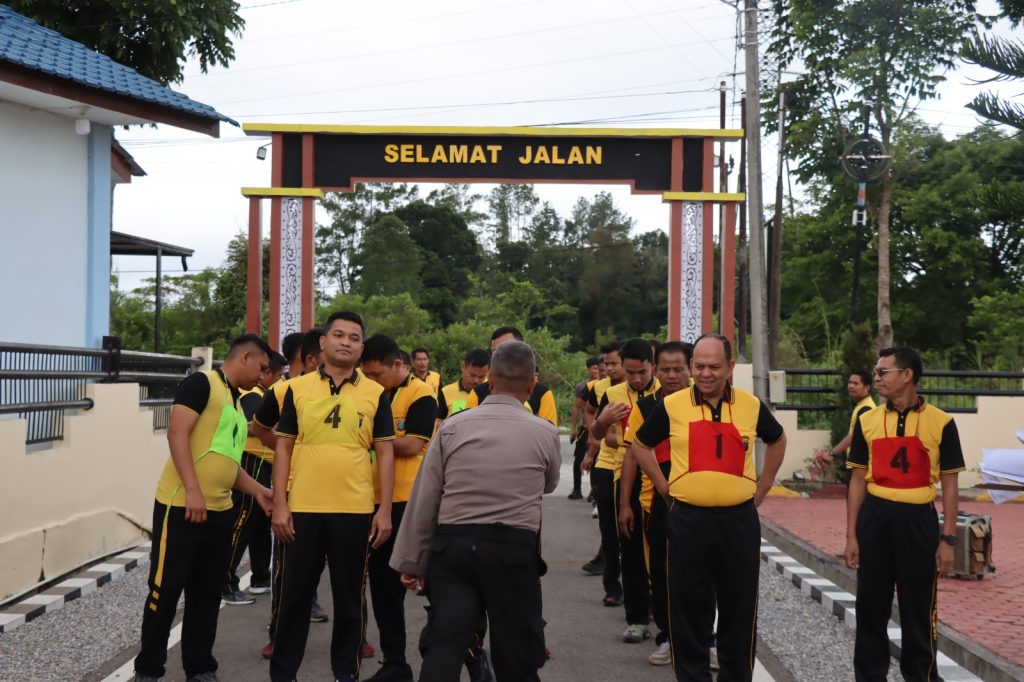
(237, 597)
(392, 672)
(594, 567)
(261, 587)
(575, 495)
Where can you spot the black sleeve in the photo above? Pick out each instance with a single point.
(769, 429)
(419, 420)
(250, 404)
(866, 408)
(442, 405)
(951, 456)
(581, 390)
(269, 411)
(655, 428)
(603, 404)
(857, 456)
(193, 392)
(288, 423)
(383, 422)
(592, 396)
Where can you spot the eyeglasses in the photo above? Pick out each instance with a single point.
(880, 372)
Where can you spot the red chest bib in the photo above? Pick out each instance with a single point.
(900, 462)
(716, 446)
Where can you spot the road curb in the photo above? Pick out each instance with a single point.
(967, 653)
(83, 582)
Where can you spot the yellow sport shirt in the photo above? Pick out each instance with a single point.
(335, 427)
(621, 393)
(541, 401)
(884, 441)
(690, 422)
(413, 410)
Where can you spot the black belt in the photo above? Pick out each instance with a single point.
(494, 532)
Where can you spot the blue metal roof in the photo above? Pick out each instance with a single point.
(27, 44)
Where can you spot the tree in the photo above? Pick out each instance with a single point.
(512, 209)
(1004, 57)
(154, 37)
(350, 214)
(889, 53)
(450, 253)
(232, 285)
(388, 260)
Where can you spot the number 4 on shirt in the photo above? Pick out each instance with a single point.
(334, 417)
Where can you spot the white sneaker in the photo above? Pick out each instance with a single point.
(662, 655)
(593, 514)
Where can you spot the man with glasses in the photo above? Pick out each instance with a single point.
(900, 450)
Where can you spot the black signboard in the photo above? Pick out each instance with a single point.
(341, 159)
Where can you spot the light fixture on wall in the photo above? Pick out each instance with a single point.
(82, 126)
(261, 153)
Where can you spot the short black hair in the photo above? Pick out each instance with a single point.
(405, 357)
(311, 343)
(502, 331)
(478, 357)
(346, 315)
(674, 347)
(248, 339)
(421, 349)
(291, 345)
(726, 343)
(277, 361)
(381, 348)
(611, 347)
(593, 361)
(905, 357)
(865, 377)
(637, 349)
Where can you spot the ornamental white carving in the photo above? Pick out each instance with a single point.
(693, 266)
(290, 271)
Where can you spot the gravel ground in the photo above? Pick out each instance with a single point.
(77, 639)
(811, 642)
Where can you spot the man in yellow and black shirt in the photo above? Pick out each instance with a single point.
(900, 450)
(579, 438)
(713, 528)
(541, 401)
(453, 398)
(251, 528)
(672, 368)
(335, 416)
(600, 461)
(413, 410)
(421, 368)
(859, 388)
(192, 516)
(609, 426)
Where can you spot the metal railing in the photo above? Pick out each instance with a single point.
(42, 384)
(814, 390)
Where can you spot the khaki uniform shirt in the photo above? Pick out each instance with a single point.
(488, 465)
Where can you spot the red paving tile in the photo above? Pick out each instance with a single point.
(989, 611)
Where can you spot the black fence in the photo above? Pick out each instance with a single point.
(814, 391)
(42, 384)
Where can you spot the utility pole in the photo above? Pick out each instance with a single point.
(743, 283)
(755, 203)
(775, 248)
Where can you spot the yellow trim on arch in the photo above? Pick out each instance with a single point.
(704, 196)
(283, 192)
(716, 133)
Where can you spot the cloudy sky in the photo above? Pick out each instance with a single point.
(630, 63)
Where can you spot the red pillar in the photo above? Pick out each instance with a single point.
(727, 289)
(308, 257)
(675, 245)
(254, 270)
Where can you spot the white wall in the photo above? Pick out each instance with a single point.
(43, 225)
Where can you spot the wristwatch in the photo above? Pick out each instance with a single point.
(948, 539)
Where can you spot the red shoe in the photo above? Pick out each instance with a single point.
(367, 650)
(267, 651)
(547, 653)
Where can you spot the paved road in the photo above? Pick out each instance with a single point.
(584, 635)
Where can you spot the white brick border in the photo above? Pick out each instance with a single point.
(56, 596)
(841, 604)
